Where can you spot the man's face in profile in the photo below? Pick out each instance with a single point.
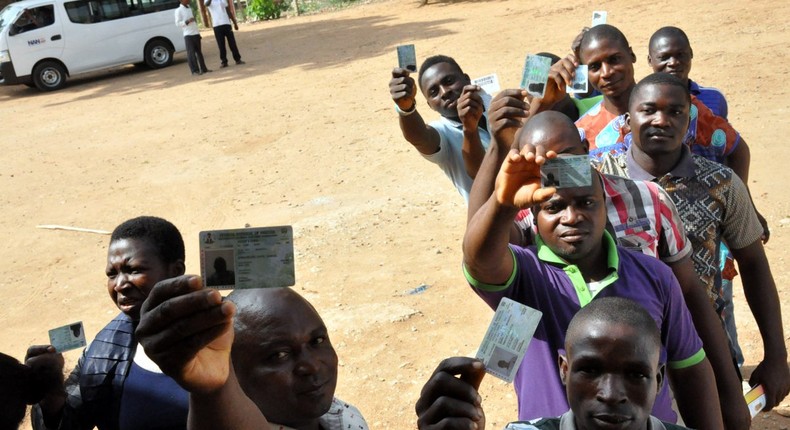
(286, 364)
(442, 85)
(611, 376)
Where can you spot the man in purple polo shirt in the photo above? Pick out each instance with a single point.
(576, 261)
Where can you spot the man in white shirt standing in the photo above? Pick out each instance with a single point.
(186, 20)
(221, 17)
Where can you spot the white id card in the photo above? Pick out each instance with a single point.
(579, 84)
(258, 257)
(566, 171)
(68, 337)
(489, 83)
(536, 75)
(598, 18)
(507, 338)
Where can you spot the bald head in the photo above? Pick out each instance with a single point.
(614, 311)
(553, 131)
(259, 307)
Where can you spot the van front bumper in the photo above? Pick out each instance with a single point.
(8, 75)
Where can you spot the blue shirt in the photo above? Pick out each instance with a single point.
(710, 97)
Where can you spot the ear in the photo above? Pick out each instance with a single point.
(468, 79)
(660, 377)
(633, 56)
(628, 119)
(586, 144)
(649, 59)
(562, 361)
(691, 52)
(177, 268)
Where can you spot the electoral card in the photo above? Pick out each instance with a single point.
(579, 84)
(536, 75)
(407, 58)
(489, 83)
(507, 338)
(598, 18)
(68, 337)
(258, 257)
(755, 398)
(566, 171)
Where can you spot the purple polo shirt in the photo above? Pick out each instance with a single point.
(544, 281)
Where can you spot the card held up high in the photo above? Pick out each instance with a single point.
(598, 18)
(507, 338)
(68, 337)
(259, 257)
(579, 84)
(566, 171)
(536, 75)
(407, 58)
(489, 83)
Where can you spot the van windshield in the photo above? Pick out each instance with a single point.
(9, 15)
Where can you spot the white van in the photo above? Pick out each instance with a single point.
(44, 41)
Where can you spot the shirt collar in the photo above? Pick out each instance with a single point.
(693, 88)
(684, 168)
(546, 254)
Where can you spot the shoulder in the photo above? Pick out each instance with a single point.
(636, 265)
(539, 424)
(342, 416)
(704, 169)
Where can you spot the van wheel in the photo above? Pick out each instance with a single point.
(49, 76)
(158, 54)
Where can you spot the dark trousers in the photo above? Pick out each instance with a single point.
(222, 32)
(195, 54)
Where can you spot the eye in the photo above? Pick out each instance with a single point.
(615, 59)
(279, 355)
(594, 66)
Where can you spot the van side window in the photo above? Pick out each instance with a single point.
(93, 11)
(35, 18)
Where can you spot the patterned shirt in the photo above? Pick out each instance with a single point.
(708, 135)
(341, 416)
(595, 122)
(713, 203)
(711, 97)
(641, 217)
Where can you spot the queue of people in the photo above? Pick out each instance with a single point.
(627, 272)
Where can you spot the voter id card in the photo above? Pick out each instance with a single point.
(258, 257)
(598, 18)
(507, 338)
(579, 84)
(536, 75)
(68, 337)
(407, 58)
(566, 171)
(755, 398)
(489, 83)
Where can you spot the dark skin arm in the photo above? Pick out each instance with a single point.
(232, 17)
(449, 400)
(48, 364)
(695, 392)
(735, 411)
(470, 111)
(188, 331)
(403, 90)
(486, 253)
(760, 291)
(739, 161)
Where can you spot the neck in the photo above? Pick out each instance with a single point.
(618, 105)
(656, 166)
(594, 266)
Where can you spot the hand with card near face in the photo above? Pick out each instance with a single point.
(506, 115)
(449, 400)
(470, 107)
(187, 330)
(47, 368)
(518, 183)
(403, 89)
(561, 75)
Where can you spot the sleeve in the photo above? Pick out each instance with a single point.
(741, 226)
(714, 133)
(72, 417)
(678, 335)
(444, 154)
(673, 244)
(489, 287)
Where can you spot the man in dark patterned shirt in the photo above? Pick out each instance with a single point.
(714, 205)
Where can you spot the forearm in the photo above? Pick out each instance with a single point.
(472, 152)
(695, 393)
(483, 186)
(739, 161)
(763, 299)
(226, 409)
(424, 138)
(486, 252)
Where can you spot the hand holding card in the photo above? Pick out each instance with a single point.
(68, 337)
(566, 171)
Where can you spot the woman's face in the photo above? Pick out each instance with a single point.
(133, 268)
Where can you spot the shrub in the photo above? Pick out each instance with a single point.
(266, 9)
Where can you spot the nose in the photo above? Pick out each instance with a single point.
(606, 70)
(570, 215)
(660, 119)
(443, 91)
(673, 61)
(307, 364)
(610, 389)
(120, 281)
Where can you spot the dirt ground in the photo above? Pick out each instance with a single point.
(305, 134)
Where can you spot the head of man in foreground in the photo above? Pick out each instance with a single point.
(611, 374)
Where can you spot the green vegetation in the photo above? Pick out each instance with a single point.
(273, 9)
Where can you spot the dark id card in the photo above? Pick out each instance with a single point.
(566, 171)
(407, 58)
(257, 257)
(68, 337)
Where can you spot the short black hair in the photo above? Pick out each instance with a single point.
(617, 310)
(660, 78)
(159, 232)
(669, 31)
(603, 31)
(434, 60)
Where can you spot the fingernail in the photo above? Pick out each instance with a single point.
(478, 401)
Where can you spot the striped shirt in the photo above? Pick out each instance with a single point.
(641, 217)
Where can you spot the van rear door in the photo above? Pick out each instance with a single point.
(36, 34)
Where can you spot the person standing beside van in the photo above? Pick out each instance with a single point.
(221, 16)
(186, 20)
